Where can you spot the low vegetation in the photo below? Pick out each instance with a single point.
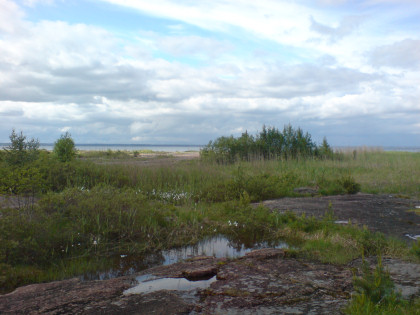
(76, 212)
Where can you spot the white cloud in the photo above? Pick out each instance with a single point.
(32, 3)
(277, 20)
(185, 86)
(347, 25)
(65, 129)
(401, 54)
(10, 16)
(193, 45)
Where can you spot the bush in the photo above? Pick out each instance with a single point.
(349, 184)
(64, 148)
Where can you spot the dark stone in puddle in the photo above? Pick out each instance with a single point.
(205, 272)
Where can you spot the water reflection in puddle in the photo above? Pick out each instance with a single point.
(171, 284)
(218, 246)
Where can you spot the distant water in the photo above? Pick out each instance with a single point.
(192, 147)
(404, 149)
(123, 147)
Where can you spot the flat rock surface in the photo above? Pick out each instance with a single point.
(383, 213)
(264, 281)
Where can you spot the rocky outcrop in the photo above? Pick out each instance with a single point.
(264, 281)
(388, 214)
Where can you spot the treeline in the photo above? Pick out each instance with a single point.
(269, 143)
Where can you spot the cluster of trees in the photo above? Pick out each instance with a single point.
(22, 151)
(25, 168)
(269, 143)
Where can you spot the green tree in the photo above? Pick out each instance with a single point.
(64, 148)
(20, 151)
(325, 151)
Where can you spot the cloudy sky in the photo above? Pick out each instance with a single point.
(187, 71)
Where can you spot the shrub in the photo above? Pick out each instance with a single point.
(64, 148)
(349, 184)
(376, 294)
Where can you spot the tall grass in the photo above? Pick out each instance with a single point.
(376, 172)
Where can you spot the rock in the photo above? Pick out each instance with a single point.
(265, 253)
(68, 296)
(262, 282)
(405, 275)
(90, 297)
(380, 213)
(277, 285)
(306, 191)
(200, 273)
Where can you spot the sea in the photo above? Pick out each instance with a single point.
(197, 147)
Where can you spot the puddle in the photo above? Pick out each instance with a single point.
(147, 285)
(218, 246)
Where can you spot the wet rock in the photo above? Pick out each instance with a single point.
(200, 266)
(200, 273)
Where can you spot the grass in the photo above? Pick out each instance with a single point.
(88, 212)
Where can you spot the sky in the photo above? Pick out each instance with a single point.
(187, 72)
